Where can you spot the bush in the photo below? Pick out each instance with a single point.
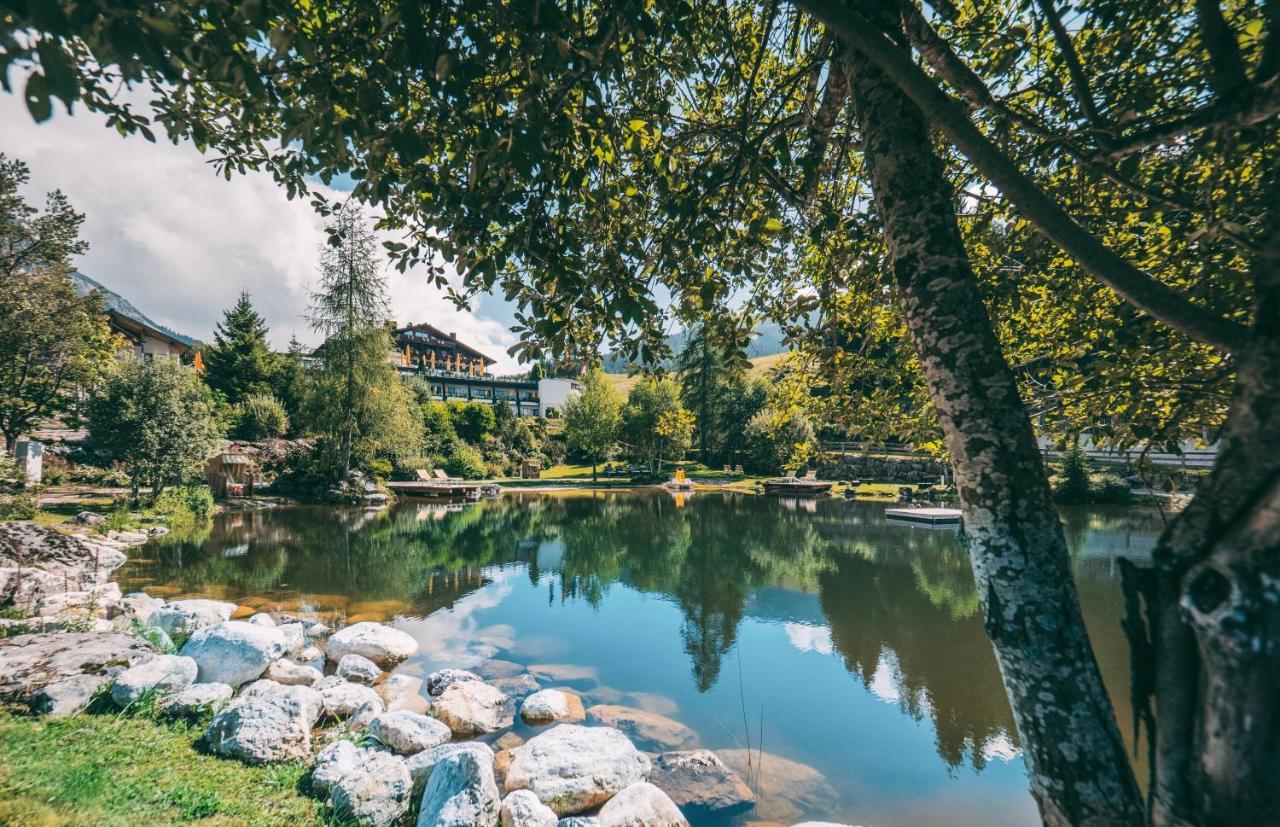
(186, 503)
(777, 441)
(17, 501)
(261, 416)
(1073, 481)
(466, 463)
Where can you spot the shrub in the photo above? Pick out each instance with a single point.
(466, 463)
(1073, 481)
(261, 416)
(186, 503)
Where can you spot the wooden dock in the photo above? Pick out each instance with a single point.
(437, 489)
(930, 516)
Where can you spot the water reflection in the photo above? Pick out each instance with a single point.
(894, 604)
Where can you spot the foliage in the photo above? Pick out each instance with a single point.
(155, 418)
(437, 427)
(261, 416)
(185, 504)
(779, 439)
(1073, 483)
(472, 421)
(291, 382)
(592, 418)
(240, 363)
(18, 501)
(655, 425)
(706, 366)
(742, 399)
(53, 342)
(466, 463)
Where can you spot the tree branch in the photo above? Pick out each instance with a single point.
(1079, 80)
(1226, 66)
(1137, 287)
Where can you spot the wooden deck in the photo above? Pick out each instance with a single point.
(437, 489)
(932, 516)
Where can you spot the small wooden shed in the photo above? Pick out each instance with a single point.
(530, 469)
(231, 475)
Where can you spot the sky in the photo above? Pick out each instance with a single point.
(180, 242)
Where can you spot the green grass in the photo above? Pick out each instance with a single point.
(132, 771)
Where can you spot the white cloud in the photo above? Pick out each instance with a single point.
(180, 242)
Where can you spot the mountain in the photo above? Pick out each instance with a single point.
(766, 341)
(85, 285)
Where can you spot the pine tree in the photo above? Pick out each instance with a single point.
(706, 366)
(350, 309)
(240, 363)
(291, 383)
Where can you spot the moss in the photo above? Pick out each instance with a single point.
(112, 770)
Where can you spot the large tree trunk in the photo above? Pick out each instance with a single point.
(1215, 610)
(1079, 770)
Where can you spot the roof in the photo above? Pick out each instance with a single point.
(437, 333)
(123, 311)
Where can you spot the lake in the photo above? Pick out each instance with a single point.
(839, 661)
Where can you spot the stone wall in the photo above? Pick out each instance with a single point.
(882, 469)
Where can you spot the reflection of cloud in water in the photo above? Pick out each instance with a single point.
(539, 647)
(887, 678)
(454, 637)
(808, 638)
(1000, 747)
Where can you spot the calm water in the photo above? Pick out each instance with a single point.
(850, 650)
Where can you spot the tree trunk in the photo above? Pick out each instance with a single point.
(1215, 612)
(1079, 770)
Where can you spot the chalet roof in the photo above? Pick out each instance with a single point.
(126, 315)
(445, 338)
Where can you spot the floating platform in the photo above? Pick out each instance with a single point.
(931, 516)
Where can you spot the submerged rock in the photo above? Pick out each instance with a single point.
(379, 643)
(649, 730)
(573, 768)
(641, 805)
(700, 784)
(550, 705)
(162, 674)
(785, 790)
(358, 669)
(470, 708)
(461, 792)
(234, 652)
(269, 724)
(403, 692)
(519, 687)
(373, 792)
(408, 732)
(523, 809)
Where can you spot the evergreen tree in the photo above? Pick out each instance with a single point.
(291, 384)
(707, 364)
(240, 363)
(350, 309)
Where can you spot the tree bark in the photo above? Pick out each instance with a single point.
(1215, 616)
(1079, 770)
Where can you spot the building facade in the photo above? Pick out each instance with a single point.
(454, 370)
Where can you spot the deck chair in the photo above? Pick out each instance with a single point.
(811, 474)
(440, 475)
(423, 475)
(728, 469)
(737, 469)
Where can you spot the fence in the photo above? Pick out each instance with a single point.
(1186, 459)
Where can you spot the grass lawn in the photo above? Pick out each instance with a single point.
(133, 771)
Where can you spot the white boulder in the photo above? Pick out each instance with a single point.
(548, 705)
(198, 697)
(162, 674)
(573, 768)
(358, 669)
(408, 733)
(374, 792)
(470, 708)
(261, 619)
(342, 698)
(641, 805)
(181, 618)
(292, 674)
(234, 652)
(270, 724)
(424, 763)
(523, 809)
(377, 642)
(460, 793)
(334, 761)
(311, 656)
(442, 679)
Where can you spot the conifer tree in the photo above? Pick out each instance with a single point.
(240, 363)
